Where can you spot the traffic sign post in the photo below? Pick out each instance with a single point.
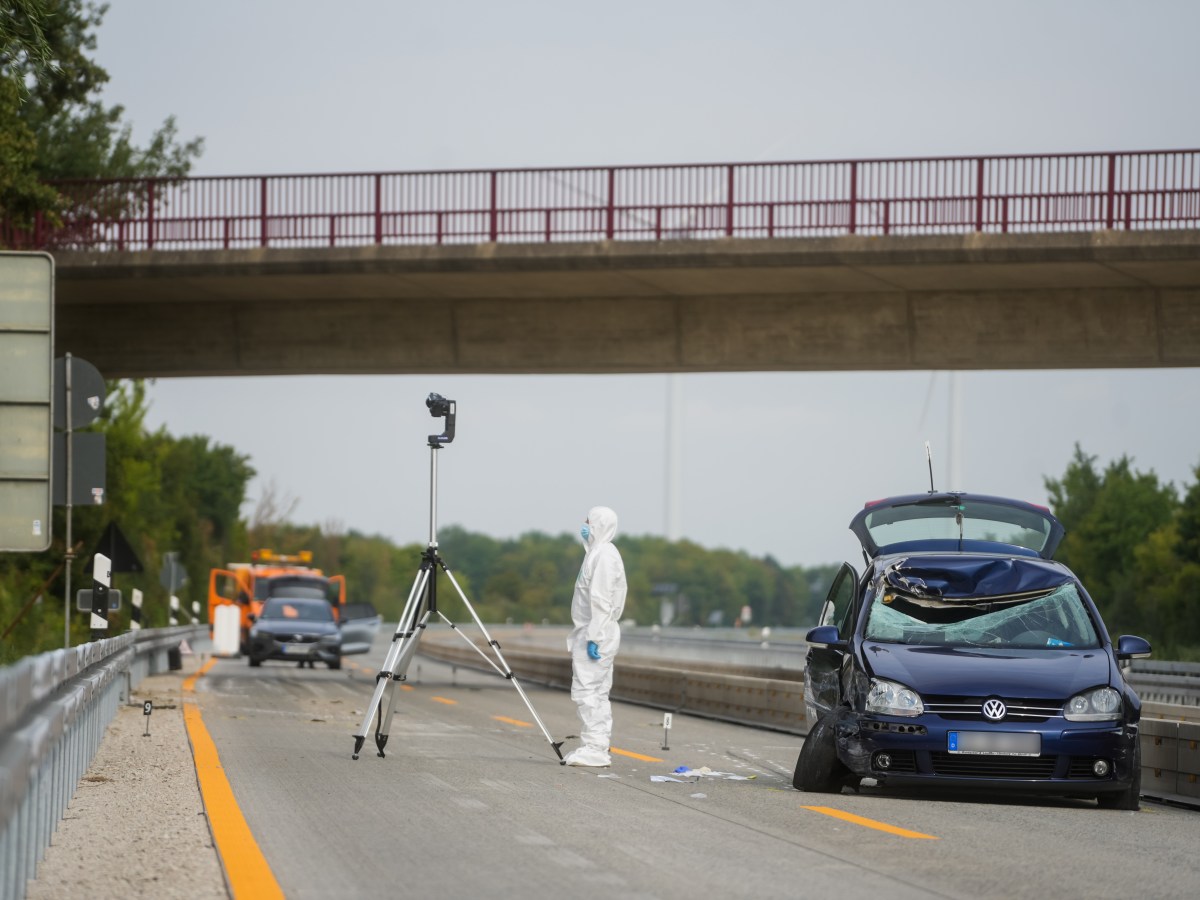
(74, 407)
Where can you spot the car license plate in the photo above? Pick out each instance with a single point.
(994, 743)
(296, 649)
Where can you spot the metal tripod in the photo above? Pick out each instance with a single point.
(421, 604)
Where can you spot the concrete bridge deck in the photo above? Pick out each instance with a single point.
(1101, 299)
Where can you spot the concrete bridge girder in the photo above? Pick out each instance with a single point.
(1109, 299)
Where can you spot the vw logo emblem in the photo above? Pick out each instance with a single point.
(994, 709)
(299, 637)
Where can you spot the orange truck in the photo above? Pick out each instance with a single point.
(247, 586)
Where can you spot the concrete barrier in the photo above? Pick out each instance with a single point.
(1171, 752)
(747, 695)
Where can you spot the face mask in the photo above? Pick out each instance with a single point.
(584, 532)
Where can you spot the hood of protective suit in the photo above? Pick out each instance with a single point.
(602, 526)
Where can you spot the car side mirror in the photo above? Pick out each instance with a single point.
(1130, 646)
(826, 636)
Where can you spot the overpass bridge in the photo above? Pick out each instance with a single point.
(1056, 261)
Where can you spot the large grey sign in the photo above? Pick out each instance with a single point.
(26, 378)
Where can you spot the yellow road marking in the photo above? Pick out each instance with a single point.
(633, 755)
(189, 683)
(445, 700)
(407, 687)
(245, 867)
(871, 823)
(513, 721)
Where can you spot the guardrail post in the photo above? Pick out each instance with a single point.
(979, 194)
(262, 212)
(150, 215)
(379, 209)
(853, 223)
(1110, 215)
(729, 202)
(493, 215)
(610, 225)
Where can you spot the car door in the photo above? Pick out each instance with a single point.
(823, 665)
(359, 624)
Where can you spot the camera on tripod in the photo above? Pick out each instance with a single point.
(440, 407)
(421, 606)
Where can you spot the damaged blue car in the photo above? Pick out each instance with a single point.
(964, 656)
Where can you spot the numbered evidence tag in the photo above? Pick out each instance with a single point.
(666, 730)
(147, 708)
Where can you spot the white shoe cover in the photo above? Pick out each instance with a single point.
(587, 756)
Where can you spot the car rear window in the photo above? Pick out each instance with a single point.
(970, 520)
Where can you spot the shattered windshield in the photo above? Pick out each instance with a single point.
(1048, 618)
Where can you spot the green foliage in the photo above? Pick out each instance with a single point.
(532, 578)
(166, 494)
(53, 124)
(1133, 545)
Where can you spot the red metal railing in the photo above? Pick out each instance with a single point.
(1058, 192)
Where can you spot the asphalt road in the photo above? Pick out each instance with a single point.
(471, 802)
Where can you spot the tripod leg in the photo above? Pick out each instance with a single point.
(399, 673)
(506, 671)
(404, 632)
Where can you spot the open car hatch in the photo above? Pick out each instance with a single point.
(956, 522)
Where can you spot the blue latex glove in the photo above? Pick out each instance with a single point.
(593, 650)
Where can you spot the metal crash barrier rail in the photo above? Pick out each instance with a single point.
(774, 698)
(54, 709)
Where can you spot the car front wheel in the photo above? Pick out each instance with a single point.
(818, 770)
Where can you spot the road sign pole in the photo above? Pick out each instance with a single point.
(70, 555)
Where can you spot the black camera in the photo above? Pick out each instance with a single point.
(439, 406)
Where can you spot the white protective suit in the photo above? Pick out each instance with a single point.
(596, 608)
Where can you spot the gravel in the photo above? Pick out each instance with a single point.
(136, 825)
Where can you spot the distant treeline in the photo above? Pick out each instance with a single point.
(1135, 543)
(531, 579)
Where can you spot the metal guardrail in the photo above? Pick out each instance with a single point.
(54, 709)
(937, 195)
(1166, 682)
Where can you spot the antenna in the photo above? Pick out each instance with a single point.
(929, 460)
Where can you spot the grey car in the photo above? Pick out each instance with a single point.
(298, 629)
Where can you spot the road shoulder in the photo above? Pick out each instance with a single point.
(136, 824)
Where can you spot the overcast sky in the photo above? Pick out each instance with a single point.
(770, 463)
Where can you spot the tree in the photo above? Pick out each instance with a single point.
(165, 493)
(1168, 577)
(53, 124)
(1107, 516)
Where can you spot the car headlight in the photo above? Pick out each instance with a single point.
(893, 699)
(1098, 705)
(331, 639)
